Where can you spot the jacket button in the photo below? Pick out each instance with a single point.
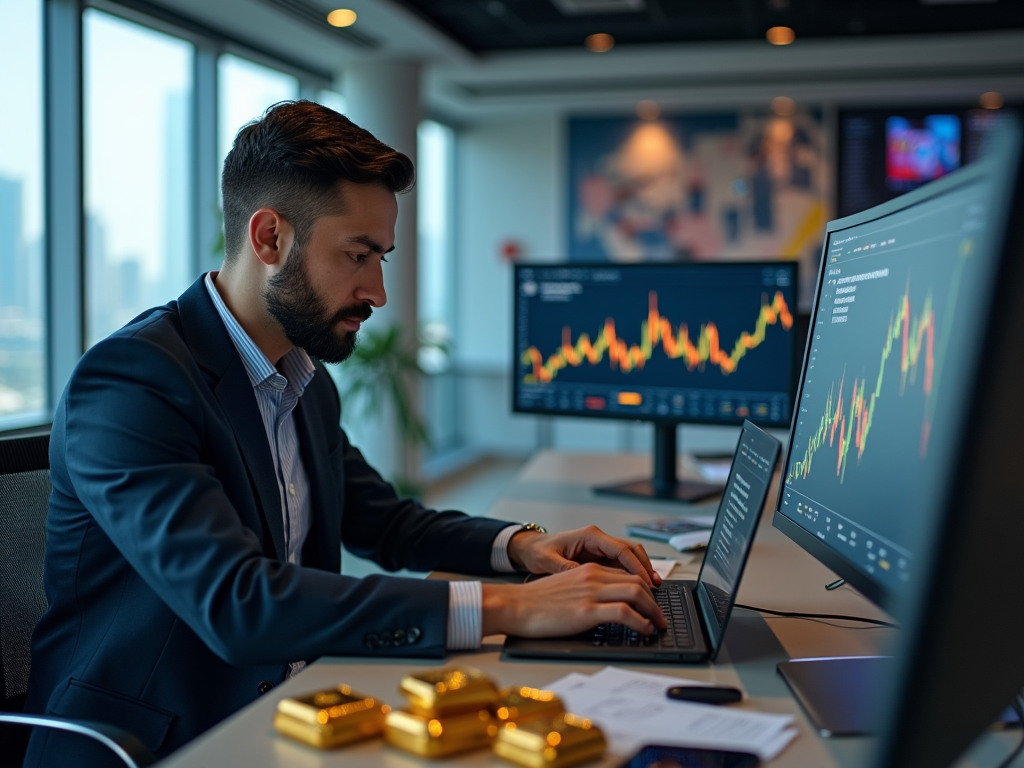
(264, 686)
(412, 635)
(384, 639)
(372, 641)
(399, 636)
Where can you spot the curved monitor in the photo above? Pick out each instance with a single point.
(681, 342)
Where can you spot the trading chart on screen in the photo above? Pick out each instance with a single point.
(894, 318)
(686, 341)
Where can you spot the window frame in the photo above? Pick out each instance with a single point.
(63, 162)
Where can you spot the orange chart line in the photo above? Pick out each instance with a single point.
(654, 331)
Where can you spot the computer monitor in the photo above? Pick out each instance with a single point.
(884, 153)
(902, 465)
(669, 343)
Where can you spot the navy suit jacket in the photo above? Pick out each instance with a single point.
(170, 603)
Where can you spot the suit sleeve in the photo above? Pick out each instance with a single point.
(134, 452)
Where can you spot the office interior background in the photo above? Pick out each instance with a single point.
(117, 117)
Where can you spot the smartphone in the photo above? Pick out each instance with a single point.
(690, 757)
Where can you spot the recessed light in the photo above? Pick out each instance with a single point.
(343, 17)
(600, 42)
(991, 100)
(783, 106)
(648, 110)
(780, 35)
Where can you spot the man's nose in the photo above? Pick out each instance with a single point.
(371, 288)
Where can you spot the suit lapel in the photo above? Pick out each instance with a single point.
(213, 349)
(323, 545)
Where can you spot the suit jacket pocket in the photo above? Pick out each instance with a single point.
(89, 702)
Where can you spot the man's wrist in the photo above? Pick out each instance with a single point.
(518, 542)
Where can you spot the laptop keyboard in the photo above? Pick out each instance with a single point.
(672, 601)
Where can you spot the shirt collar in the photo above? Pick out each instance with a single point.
(296, 366)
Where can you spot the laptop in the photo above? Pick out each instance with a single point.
(697, 611)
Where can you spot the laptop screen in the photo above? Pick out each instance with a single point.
(735, 524)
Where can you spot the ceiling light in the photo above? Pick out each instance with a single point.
(991, 100)
(780, 35)
(600, 42)
(343, 17)
(648, 110)
(783, 106)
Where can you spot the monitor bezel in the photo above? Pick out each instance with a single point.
(879, 593)
(792, 264)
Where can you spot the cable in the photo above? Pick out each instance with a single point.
(793, 615)
(1018, 707)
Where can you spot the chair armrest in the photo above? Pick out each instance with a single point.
(123, 744)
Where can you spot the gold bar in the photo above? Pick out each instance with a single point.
(555, 742)
(521, 705)
(437, 737)
(331, 718)
(449, 691)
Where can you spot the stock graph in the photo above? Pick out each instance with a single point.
(846, 424)
(885, 381)
(656, 331)
(684, 342)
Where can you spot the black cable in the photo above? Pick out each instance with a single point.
(793, 615)
(1018, 707)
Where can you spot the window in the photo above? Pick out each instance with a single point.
(434, 175)
(245, 90)
(23, 385)
(138, 156)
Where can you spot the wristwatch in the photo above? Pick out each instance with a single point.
(531, 527)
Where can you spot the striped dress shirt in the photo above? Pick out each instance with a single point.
(277, 393)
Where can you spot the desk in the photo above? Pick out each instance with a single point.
(553, 490)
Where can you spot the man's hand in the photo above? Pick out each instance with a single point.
(558, 552)
(571, 602)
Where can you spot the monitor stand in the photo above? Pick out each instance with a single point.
(840, 695)
(664, 484)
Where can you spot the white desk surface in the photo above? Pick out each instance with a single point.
(553, 489)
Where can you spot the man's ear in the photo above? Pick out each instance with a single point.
(270, 236)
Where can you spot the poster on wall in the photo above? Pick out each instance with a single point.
(698, 188)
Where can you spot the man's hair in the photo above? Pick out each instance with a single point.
(294, 160)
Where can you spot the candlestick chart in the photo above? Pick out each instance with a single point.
(909, 346)
(657, 332)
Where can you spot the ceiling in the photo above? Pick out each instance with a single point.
(504, 25)
(464, 83)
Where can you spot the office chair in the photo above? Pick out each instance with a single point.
(24, 503)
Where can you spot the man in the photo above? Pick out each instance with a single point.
(202, 488)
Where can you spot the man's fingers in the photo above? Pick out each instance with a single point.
(620, 551)
(645, 561)
(622, 613)
(636, 596)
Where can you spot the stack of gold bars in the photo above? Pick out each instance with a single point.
(451, 710)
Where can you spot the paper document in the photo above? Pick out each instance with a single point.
(663, 566)
(632, 709)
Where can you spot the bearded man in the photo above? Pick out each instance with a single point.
(203, 488)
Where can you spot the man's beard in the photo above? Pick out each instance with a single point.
(304, 316)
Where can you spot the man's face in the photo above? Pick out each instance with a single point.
(324, 291)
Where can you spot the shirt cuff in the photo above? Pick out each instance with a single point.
(499, 549)
(465, 615)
